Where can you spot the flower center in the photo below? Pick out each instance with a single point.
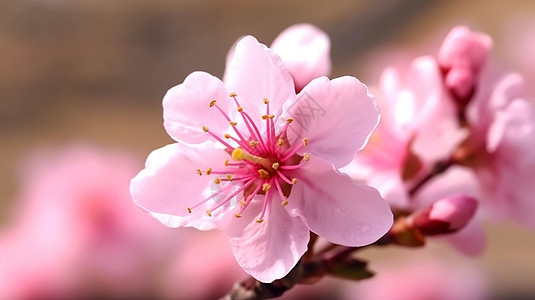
(261, 163)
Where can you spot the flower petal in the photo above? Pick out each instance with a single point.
(337, 117)
(169, 185)
(337, 208)
(186, 108)
(255, 72)
(268, 250)
(305, 50)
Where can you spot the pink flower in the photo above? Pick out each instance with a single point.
(76, 229)
(305, 50)
(262, 163)
(500, 150)
(461, 57)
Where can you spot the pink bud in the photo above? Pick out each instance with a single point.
(461, 57)
(447, 215)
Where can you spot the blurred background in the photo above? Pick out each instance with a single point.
(95, 71)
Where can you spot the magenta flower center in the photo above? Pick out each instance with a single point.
(260, 164)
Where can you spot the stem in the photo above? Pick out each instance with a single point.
(438, 168)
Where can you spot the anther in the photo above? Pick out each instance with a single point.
(294, 181)
(243, 203)
(226, 162)
(253, 143)
(284, 203)
(263, 173)
(189, 210)
(199, 172)
(227, 136)
(237, 215)
(229, 177)
(306, 156)
(275, 166)
(305, 141)
(289, 121)
(205, 129)
(260, 221)
(212, 103)
(271, 116)
(208, 171)
(279, 142)
(209, 213)
(233, 95)
(233, 123)
(266, 186)
(217, 181)
(264, 117)
(240, 109)
(266, 101)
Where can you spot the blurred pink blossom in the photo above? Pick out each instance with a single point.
(305, 50)
(285, 189)
(76, 234)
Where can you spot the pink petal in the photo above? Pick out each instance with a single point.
(255, 72)
(305, 49)
(169, 184)
(337, 117)
(186, 108)
(268, 250)
(337, 208)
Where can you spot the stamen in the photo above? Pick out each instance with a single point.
(240, 109)
(229, 177)
(279, 142)
(253, 143)
(233, 95)
(237, 215)
(249, 199)
(266, 101)
(305, 142)
(289, 120)
(281, 194)
(226, 163)
(209, 213)
(212, 103)
(208, 171)
(205, 129)
(283, 177)
(274, 166)
(266, 186)
(260, 220)
(217, 181)
(263, 173)
(233, 123)
(306, 156)
(267, 200)
(227, 136)
(199, 172)
(189, 210)
(294, 181)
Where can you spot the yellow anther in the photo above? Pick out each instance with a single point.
(266, 186)
(208, 171)
(284, 203)
(226, 162)
(263, 173)
(189, 210)
(305, 141)
(205, 129)
(294, 181)
(238, 154)
(289, 121)
(279, 142)
(233, 95)
(271, 116)
(217, 181)
(253, 143)
(233, 123)
(260, 221)
(306, 156)
(229, 177)
(242, 203)
(264, 117)
(275, 166)
(240, 108)
(212, 103)
(237, 215)
(227, 136)
(199, 172)
(266, 101)
(209, 213)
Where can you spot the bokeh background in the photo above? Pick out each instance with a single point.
(96, 71)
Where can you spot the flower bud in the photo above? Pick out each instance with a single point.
(461, 57)
(447, 215)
